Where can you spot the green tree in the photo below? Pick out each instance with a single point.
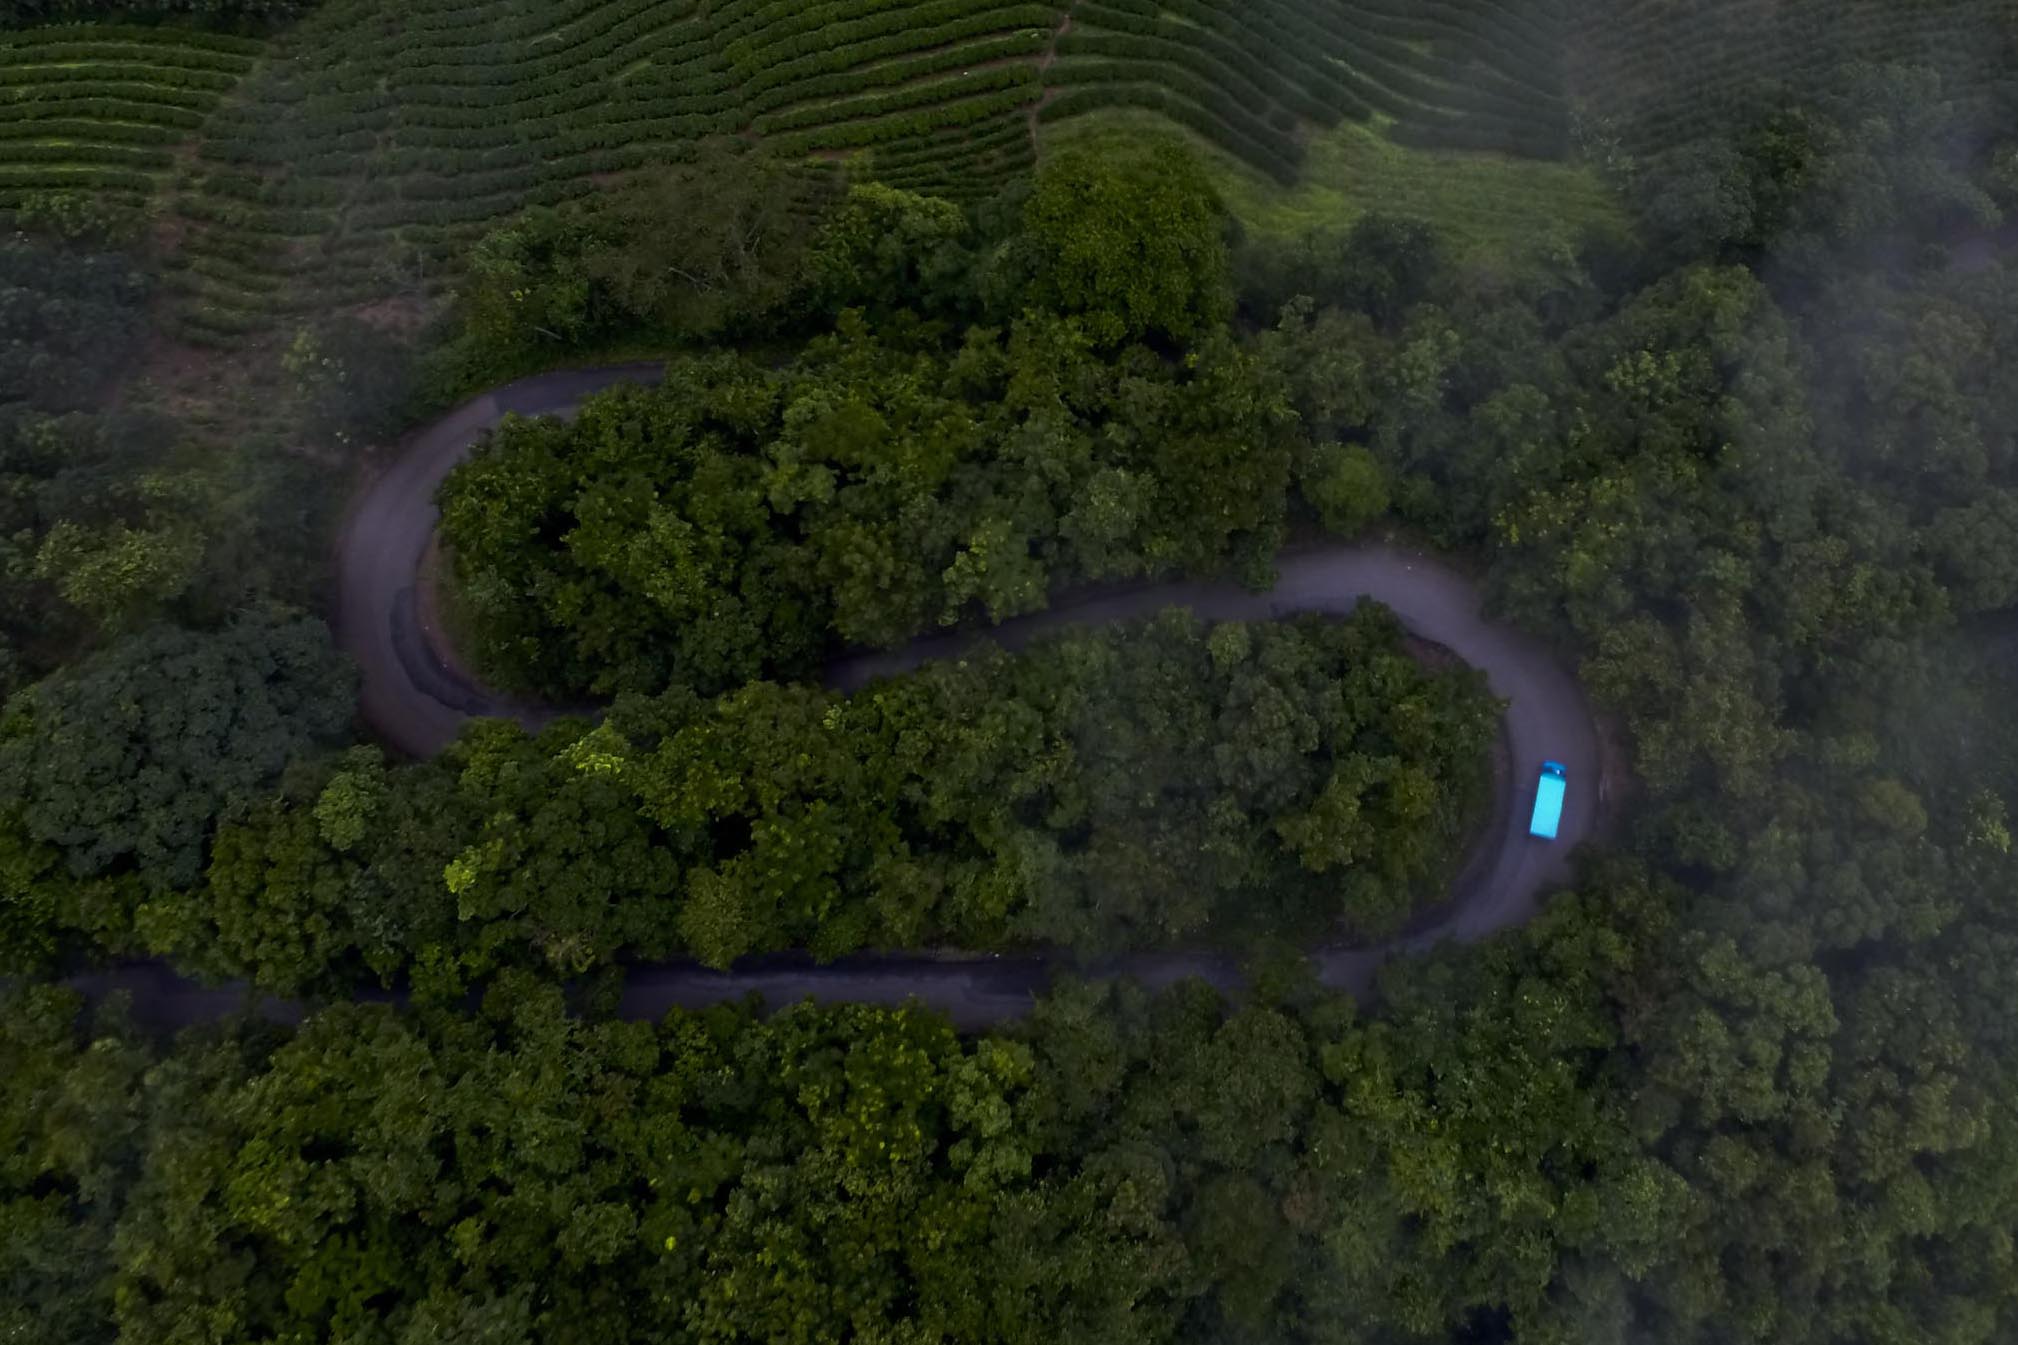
(71, 1123)
(1131, 239)
(130, 757)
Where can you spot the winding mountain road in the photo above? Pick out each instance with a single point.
(419, 704)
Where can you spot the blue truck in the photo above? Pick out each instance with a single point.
(1548, 813)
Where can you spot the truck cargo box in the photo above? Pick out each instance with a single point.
(1548, 814)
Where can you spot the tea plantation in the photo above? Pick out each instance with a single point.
(378, 141)
(100, 108)
(382, 139)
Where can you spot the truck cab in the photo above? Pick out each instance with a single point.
(1549, 790)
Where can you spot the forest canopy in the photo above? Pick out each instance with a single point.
(739, 521)
(1748, 466)
(1109, 788)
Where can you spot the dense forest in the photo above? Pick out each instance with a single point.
(1752, 1077)
(1113, 788)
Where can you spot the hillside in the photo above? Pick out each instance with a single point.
(380, 141)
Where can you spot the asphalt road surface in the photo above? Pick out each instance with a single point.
(418, 705)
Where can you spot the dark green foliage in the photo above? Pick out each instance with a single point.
(72, 1121)
(333, 879)
(113, 520)
(1127, 1170)
(884, 248)
(127, 757)
(1120, 788)
(1381, 266)
(1109, 791)
(684, 252)
(1132, 240)
(1658, 79)
(737, 521)
(1749, 1082)
(1872, 163)
(1754, 499)
(69, 321)
(82, 540)
(351, 380)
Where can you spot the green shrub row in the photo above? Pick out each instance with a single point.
(45, 177)
(948, 186)
(127, 53)
(1537, 21)
(1310, 66)
(1394, 67)
(229, 152)
(209, 324)
(415, 85)
(1541, 93)
(964, 112)
(852, 57)
(500, 184)
(985, 80)
(124, 91)
(939, 58)
(254, 254)
(58, 34)
(1200, 61)
(1397, 92)
(87, 128)
(110, 156)
(447, 208)
(1396, 89)
(1397, 66)
(106, 111)
(1155, 25)
(576, 139)
(1156, 98)
(311, 110)
(439, 20)
(988, 167)
(281, 223)
(955, 139)
(499, 67)
(12, 198)
(1476, 134)
(20, 77)
(453, 148)
(1530, 115)
(1499, 36)
(748, 33)
(940, 152)
(1488, 100)
(1265, 75)
(210, 292)
(502, 20)
(697, 56)
(264, 191)
(1232, 124)
(727, 22)
(748, 60)
(624, 21)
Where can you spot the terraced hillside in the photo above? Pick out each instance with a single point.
(390, 136)
(1663, 72)
(102, 108)
(1256, 75)
(386, 137)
